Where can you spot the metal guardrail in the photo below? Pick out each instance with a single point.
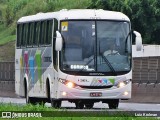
(145, 70)
(7, 71)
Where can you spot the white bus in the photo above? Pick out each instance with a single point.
(65, 55)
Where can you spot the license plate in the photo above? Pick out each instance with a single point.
(96, 94)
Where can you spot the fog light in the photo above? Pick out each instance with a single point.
(70, 84)
(64, 93)
(125, 93)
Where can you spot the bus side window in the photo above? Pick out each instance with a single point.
(34, 33)
(41, 42)
(31, 34)
(43, 32)
(19, 35)
(23, 35)
(55, 29)
(27, 34)
(24, 31)
(37, 34)
(49, 32)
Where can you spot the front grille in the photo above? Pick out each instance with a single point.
(96, 87)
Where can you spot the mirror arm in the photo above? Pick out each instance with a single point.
(59, 41)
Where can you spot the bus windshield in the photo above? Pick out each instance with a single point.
(95, 46)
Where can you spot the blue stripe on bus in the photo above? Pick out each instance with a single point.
(31, 65)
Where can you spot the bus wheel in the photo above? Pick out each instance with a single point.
(89, 105)
(56, 103)
(29, 100)
(79, 105)
(113, 104)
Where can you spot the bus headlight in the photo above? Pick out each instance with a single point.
(122, 83)
(68, 83)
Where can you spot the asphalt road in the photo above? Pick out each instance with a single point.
(97, 106)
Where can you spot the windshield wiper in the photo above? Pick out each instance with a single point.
(109, 64)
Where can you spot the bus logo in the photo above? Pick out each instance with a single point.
(6, 115)
(103, 81)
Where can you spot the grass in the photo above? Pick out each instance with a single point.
(38, 108)
(13, 10)
(28, 107)
(6, 35)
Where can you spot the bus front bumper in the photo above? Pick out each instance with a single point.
(73, 93)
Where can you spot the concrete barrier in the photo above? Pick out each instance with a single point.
(7, 89)
(145, 93)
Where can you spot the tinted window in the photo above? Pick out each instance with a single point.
(49, 32)
(37, 34)
(54, 39)
(43, 32)
(19, 34)
(31, 34)
(34, 34)
(23, 36)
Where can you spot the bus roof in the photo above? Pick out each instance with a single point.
(76, 14)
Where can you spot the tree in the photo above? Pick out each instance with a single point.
(144, 15)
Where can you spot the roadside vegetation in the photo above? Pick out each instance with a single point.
(144, 15)
(12, 10)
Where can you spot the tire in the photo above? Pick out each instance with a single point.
(89, 105)
(56, 103)
(29, 100)
(32, 100)
(26, 93)
(79, 105)
(48, 91)
(113, 104)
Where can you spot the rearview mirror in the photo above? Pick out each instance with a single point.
(138, 40)
(58, 45)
